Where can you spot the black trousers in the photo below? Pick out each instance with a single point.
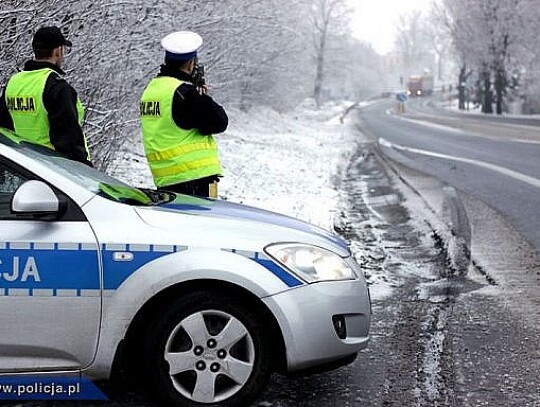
(197, 187)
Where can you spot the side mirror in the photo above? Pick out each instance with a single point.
(37, 200)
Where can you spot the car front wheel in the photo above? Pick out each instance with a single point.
(205, 349)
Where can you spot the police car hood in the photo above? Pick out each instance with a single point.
(274, 225)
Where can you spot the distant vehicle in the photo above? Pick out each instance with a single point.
(200, 300)
(420, 85)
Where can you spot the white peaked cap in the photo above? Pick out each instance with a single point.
(181, 45)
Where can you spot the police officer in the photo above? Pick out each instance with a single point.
(178, 119)
(40, 106)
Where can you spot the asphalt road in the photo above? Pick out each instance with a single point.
(496, 162)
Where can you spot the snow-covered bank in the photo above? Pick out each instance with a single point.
(514, 109)
(285, 163)
(280, 162)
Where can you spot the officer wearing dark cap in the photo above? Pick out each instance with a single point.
(178, 121)
(40, 106)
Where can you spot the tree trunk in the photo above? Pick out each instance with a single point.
(487, 102)
(500, 89)
(461, 87)
(440, 66)
(319, 77)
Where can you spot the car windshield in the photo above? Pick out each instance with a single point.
(87, 177)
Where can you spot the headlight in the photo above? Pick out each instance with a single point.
(311, 263)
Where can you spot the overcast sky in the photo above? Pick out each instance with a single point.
(374, 21)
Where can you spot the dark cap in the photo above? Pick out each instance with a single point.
(48, 38)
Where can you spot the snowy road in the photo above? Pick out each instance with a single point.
(496, 162)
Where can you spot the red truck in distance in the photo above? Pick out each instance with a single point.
(419, 85)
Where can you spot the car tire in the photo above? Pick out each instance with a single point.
(205, 349)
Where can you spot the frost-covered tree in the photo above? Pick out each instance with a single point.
(254, 52)
(439, 38)
(414, 42)
(102, 65)
(486, 37)
(354, 72)
(328, 17)
(525, 61)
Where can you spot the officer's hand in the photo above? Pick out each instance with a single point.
(203, 90)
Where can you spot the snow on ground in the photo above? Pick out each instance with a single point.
(280, 162)
(475, 109)
(285, 163)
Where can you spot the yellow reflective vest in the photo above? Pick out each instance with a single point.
(175, 155)
(24, 101)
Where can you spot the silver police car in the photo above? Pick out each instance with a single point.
(198, 300)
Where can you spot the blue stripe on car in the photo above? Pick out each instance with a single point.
(70, 271)
(115, 272)
(58, 269)
(278, 271)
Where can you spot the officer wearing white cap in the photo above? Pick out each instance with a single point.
(40, 106)
(178, 120)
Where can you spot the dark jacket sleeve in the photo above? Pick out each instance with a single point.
(192, 110)
(66, 135)
(5, 118)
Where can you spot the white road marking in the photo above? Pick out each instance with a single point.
(473, 133)
(522, 140)
(501, 170)
(434, 126)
